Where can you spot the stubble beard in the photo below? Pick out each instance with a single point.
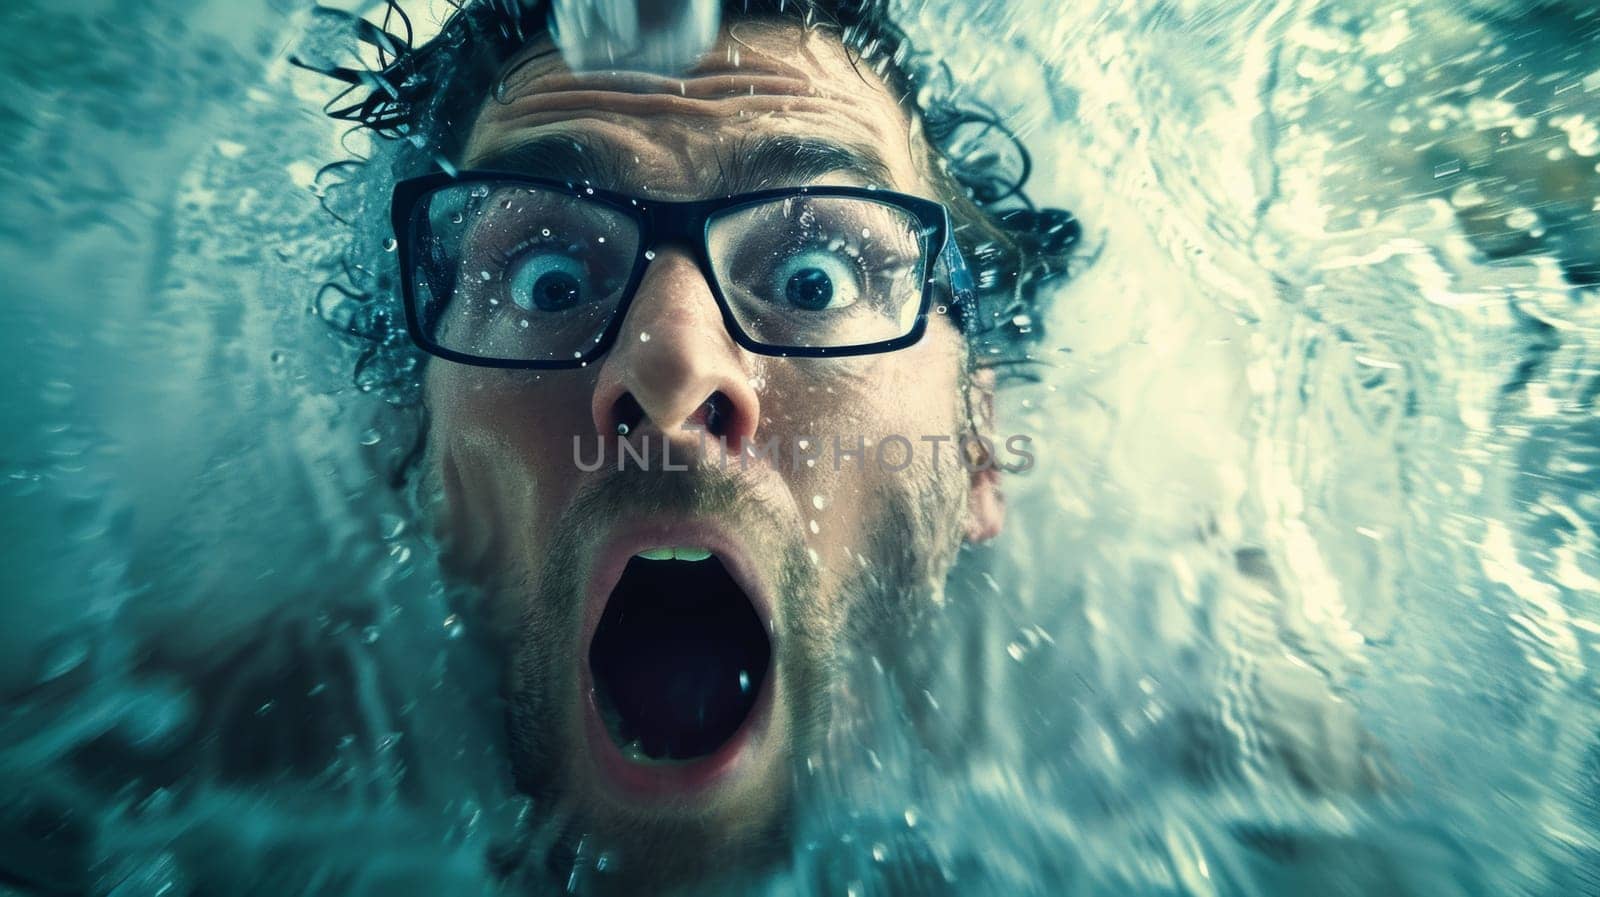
(908, 549)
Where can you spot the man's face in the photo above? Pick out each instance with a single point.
(659, 696)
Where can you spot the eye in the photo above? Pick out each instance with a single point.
(816, 280)
(548, 281)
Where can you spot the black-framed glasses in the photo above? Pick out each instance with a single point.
(506, 270)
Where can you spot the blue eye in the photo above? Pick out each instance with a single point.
(548, 281)
(816, 280)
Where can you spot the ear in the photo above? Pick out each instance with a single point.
(986, 512)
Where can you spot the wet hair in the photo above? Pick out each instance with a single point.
(424, 99)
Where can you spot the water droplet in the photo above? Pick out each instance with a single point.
(818, 502)
(390, 244)
(649, 255)
(644, 337)
(815, 528)
(371, 437)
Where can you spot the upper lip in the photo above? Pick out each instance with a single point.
(635, 536)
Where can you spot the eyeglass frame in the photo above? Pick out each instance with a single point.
(687, 223)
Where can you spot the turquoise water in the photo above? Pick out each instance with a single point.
(1302, 598)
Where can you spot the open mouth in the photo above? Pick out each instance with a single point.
(678, 657)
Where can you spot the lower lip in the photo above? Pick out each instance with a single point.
(649, 782)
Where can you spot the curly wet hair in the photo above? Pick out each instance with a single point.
(421, 98)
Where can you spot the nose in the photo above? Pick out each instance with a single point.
(674, 367)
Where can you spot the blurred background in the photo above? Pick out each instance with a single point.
(1303, 596)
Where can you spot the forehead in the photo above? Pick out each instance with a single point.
(772, 104)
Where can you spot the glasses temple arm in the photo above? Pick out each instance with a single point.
(963, 295)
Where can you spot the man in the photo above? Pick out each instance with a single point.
(709, 402)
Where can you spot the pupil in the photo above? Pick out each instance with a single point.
(809, 288)
(555, 291)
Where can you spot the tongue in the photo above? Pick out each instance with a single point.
(677, 658)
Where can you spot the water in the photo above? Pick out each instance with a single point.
(1303, 596)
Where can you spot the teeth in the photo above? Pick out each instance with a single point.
(674, 554)
(635, 753)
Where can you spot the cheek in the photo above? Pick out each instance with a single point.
(909, 394)
(912, 392)
(500, 446)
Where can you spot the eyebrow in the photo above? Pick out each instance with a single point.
(752, 163)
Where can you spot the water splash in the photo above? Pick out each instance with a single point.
(639, 35)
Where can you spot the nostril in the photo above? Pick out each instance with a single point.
(718, 413)
(627, 413)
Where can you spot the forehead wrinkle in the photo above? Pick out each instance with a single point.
(542, 63)
(672, 144)
(773, 150)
